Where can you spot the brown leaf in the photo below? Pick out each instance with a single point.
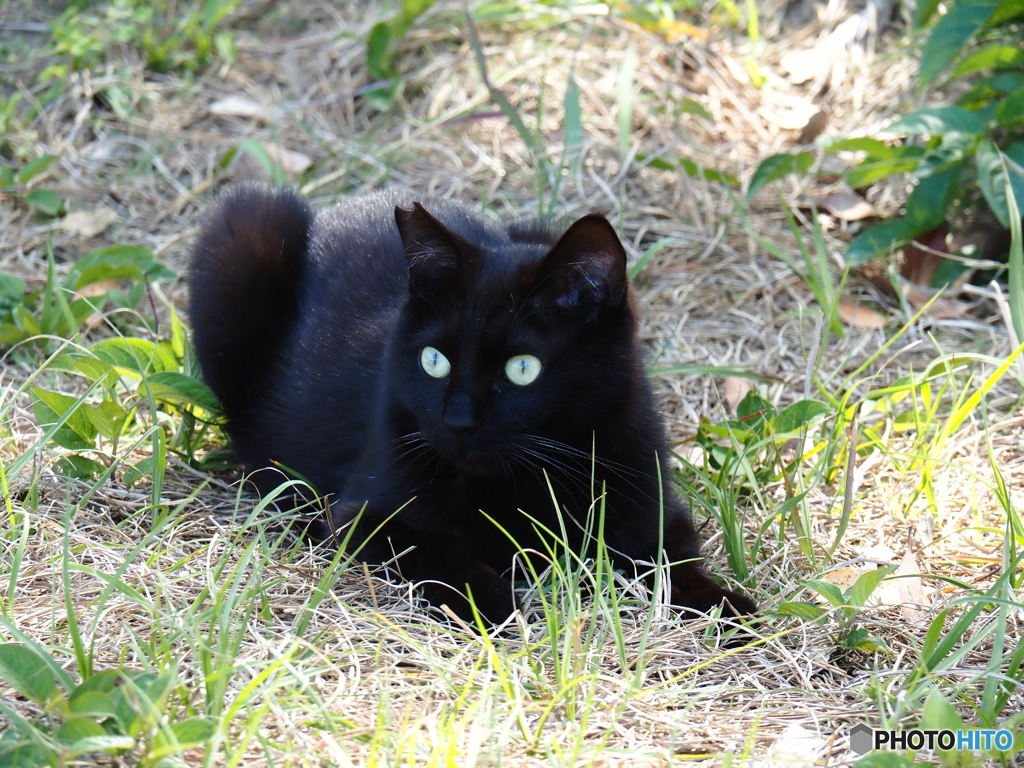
(923, 254)
(941, 309)
(736, 388)
(248, 167)
(88, 223)
(905, 588)
(239, 106)
(815, 126)
(846, 204)
(853, 312)
(846, 577)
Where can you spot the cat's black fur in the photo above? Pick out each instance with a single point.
(310, 329)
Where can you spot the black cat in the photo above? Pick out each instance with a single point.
(426, 359)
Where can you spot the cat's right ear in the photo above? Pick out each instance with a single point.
(437, 256)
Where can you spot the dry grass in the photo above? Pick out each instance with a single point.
(402, 684)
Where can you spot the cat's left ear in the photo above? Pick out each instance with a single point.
(586, 268)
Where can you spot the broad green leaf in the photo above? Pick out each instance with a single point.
(135, 355)
(939, 714)
(77, 433)
(12, 289)
(997, 56)
(179, 388)
(775, 167)
(691, 107)
(32, 169)
(924, 11)
(808, 611)
(992, 179)
(186, 734)
(275, 172)
(1007, 10)
(866, 584)
(861, 640)
(879, 239)
(105, 743)
(753, 411)
(953, 148)
(6, 177)
(27, 673)
(45, 201)
(829, 591)
(90, 367)
(95, 703)
(930, 199)
(694, 170)
(118, 262)
(79, 728)
(26, 754)
(104, 681)
(937, 121)
(795, 417)
(139, 470)
(874, 147)
(904, 160)
(79, 467)
(950, 33)
(108, 417)
(1010, 111)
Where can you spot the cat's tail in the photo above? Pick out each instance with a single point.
(245, 278)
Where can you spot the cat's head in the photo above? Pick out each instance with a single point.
(505, 342)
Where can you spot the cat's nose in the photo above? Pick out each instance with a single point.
(458, 416)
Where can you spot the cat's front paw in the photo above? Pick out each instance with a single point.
(692, 589)
(493, 596)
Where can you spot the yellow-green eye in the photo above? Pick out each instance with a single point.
(522, 369)
(434, 363)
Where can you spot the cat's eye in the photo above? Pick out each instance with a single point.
(522, 369)
(434, 363)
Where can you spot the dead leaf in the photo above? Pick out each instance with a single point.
(248, 167)
(95, 289)
(853, 312)
(736, 388)
(846, 204)
(804, 66)
(905, 588)
(796, 747)
(846, 577)
(239, 106)
(942, 308)
(923, 255)
(815, 126)
(88, 223)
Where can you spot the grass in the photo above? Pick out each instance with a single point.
(135, 569)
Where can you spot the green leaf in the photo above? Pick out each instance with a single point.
(118, 262)
(12, 289)
(624, 99)
(26, 754)
(6, 177)
(1010, 110)
(572, 125)
(924, 11)
(904, 159)
(874, 147)
(186, 733)
(1007, 10)
(45, 201)
(94, 703)
(937, 121)
(32, 169)
(80, 467)
(139, 470)
(775, 167)
(950, 33)
(27, 673)
(995, 56)
(866, 584)
(106, 743)
(108, 417)
(939, 714)
(992, 179)
(276, 174)
(753, 411)
(378, 53)
(79, 728)
(77, 433)
(136, 356)
(691, 107)
(179, 388)
(808, 611)
(696, 171)
(931, 198)
(829, 591)
(879, 239)
(860, 640)
(798, 415)
(104, 682)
